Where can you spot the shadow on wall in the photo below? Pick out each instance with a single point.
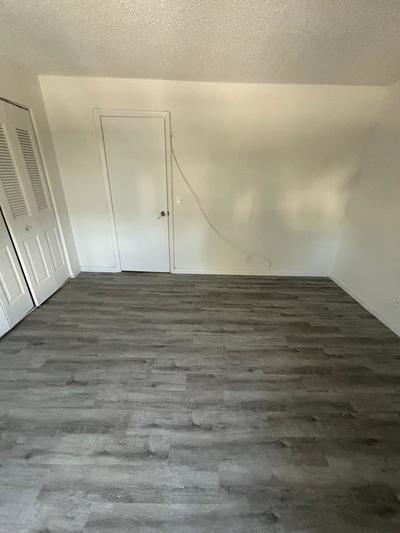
(277, 209)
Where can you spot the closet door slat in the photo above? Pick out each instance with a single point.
(10, 180)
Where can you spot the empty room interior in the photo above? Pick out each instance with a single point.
(200, 266)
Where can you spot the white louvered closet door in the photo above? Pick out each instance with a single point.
(27, 205)
(15, 299)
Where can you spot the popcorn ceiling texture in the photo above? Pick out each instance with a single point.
(267, 41)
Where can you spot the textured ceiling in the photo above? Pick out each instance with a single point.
(272, 41)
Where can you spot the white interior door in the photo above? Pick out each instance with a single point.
(15, 298)
(136, 162)
(27, 205)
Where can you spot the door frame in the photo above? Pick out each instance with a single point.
(165, 115)
(46, 174)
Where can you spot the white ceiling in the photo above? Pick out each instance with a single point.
(272, 41)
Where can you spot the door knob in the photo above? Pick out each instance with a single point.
(28, 227)
(162, 214)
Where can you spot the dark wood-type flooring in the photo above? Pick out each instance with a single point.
(152, 403)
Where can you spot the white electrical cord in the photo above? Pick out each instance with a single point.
(209, 222)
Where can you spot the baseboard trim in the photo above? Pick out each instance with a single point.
(367, 306)
(214, 272)
(253, 272)
(99, 269)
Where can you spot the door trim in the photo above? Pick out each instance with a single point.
(165, 115)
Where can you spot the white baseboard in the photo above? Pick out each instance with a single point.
(222, 272)
(99, 269)
(219, 272)
(395, 328)
(249, 272)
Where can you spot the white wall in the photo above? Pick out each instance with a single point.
(272, 164)
(23, 88)
(368, 261)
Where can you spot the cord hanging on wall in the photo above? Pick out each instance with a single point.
(209, 222)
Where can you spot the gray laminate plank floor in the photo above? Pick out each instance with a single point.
(188, 404)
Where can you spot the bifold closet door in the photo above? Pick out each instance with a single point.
(4, 324)
(15, 298)
(27, 204)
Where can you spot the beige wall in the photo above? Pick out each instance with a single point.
(272, 164)
(368, 261)
(23, 88)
